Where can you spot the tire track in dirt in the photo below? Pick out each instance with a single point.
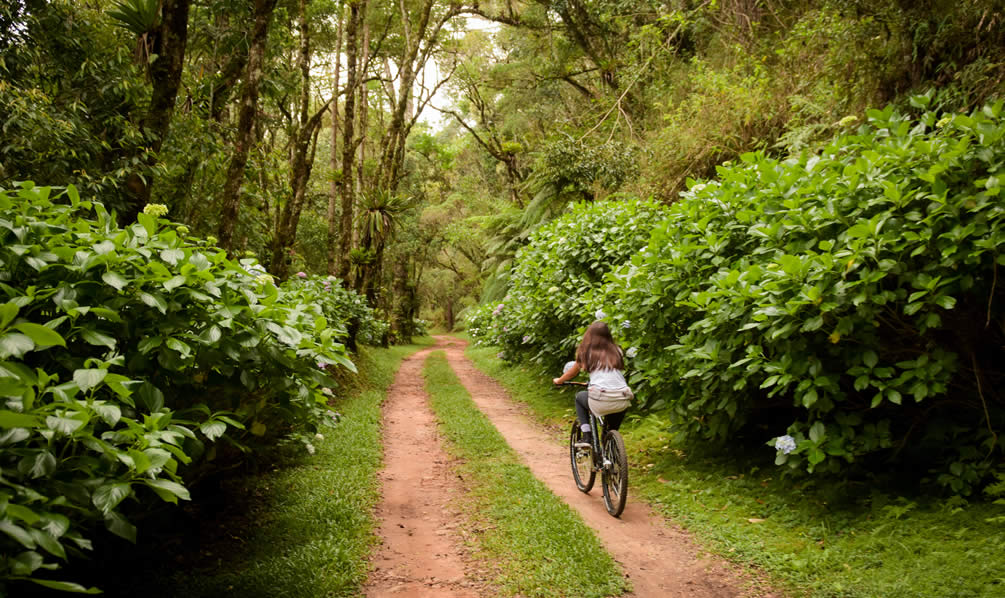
(419, 556)
(659, 559)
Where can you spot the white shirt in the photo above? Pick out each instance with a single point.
(609, 379)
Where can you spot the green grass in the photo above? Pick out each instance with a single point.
(309, 527)
(815, 538)
(537, 544)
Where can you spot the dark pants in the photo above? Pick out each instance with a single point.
(612, 421)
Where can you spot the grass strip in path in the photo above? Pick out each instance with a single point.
(538, 544)
(820, 539)
(309, 528)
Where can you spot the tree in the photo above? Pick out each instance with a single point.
(162, 38)
(244, 139)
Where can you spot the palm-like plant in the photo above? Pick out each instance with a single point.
(378, 216)
(142, 18)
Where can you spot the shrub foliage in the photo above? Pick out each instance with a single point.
(133, 361)
(562, 265)
(844, 303)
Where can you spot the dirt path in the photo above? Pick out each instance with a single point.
(418, 557)
(660, 561)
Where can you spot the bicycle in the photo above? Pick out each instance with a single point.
(612, 464)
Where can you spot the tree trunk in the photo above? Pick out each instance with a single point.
(364, 109)
(245, 122)
(300, 162)
(406, 294)
(357, 9)
(334, 188)
(448, 315)
(168, 45)
(408, 69)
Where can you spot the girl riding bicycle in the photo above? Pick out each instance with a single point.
(608, 393)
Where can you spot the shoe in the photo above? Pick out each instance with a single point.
(585, 439)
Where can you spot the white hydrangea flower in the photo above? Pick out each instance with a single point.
(600, 315)
(632, 352)
(310, 448)
(786, 444)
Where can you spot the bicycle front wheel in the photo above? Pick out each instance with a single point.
(614, 476)
(582, 460)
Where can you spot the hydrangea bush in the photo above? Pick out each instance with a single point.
(339, 304)
(843, 304)
(548, 302)
(133, 361)
(854, 289)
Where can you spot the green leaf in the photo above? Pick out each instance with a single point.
(56, 525)
(26, 563)
(23, 513)
(893, 396)
(946, 302)
(65, 586)
(150, 397)
(63, 425)
(174, 283)
(148, 344)
(211, 334)
(870, 359)
(48, 543)
(108, 412)
(93, 337)
(43, 465)
(816, 456)
(818, 431)
(87, 379)
(199, 261)
(114, 279)
(173, 256)
(213, 429)
(138, 460)
(809, 398)
(8, 311)
(12, 419)
(180, 346)
(148, 222)
(169, 491)
(18, 533)
(103, 247)
(108, 496)
(118, 525)
(15, 345)
(154, 300)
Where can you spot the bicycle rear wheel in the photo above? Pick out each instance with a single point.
(614, 477)
(582, 461)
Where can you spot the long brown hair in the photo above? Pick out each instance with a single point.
(598, 351)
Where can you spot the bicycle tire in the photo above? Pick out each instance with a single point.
(581, 460)
(614, 479)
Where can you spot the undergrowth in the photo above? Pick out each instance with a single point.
(298, 527)
(850, 538)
